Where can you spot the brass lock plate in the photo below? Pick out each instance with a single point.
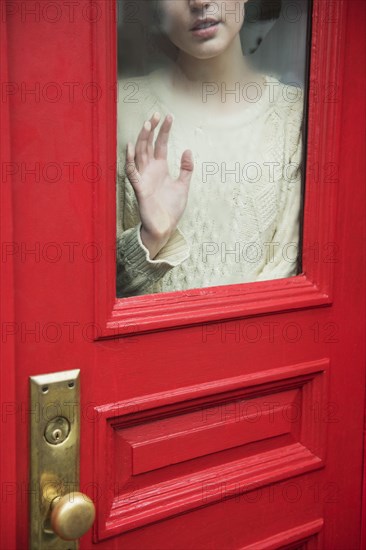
(54, 451)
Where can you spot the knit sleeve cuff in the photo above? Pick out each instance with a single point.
(136, 256)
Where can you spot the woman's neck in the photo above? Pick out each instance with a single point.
(229, 67)
(190, 76)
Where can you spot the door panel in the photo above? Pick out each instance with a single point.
(175, 453)
(213, 418)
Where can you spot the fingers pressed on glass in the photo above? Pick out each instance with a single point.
(161, 144)
(141, 144)
(150, 142)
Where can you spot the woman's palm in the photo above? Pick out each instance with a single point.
(161, 199)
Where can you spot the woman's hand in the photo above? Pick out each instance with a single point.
(161, 199)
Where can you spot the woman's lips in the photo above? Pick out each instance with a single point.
(206, 32)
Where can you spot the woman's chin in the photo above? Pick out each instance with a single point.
(206, 50)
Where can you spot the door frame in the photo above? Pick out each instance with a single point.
(311, 289)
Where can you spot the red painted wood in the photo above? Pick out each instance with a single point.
(9, 408)
(355, 148)
(211, 429)
(305, 486)
(284, 439)
(286, 538)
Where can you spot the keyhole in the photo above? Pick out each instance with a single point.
(56, 435)
(57, 430)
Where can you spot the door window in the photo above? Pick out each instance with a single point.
(214, 195)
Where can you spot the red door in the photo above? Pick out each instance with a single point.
(221, 418)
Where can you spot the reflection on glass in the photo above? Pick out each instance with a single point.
(212, 195)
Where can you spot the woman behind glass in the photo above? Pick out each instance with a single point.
(209, 181)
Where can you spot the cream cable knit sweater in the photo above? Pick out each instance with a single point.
(241, 222)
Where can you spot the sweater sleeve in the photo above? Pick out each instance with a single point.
(282, 252)
(137, 272)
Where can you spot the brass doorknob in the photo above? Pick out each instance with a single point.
(72, 515)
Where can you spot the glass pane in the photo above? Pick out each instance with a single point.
(213, 196)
